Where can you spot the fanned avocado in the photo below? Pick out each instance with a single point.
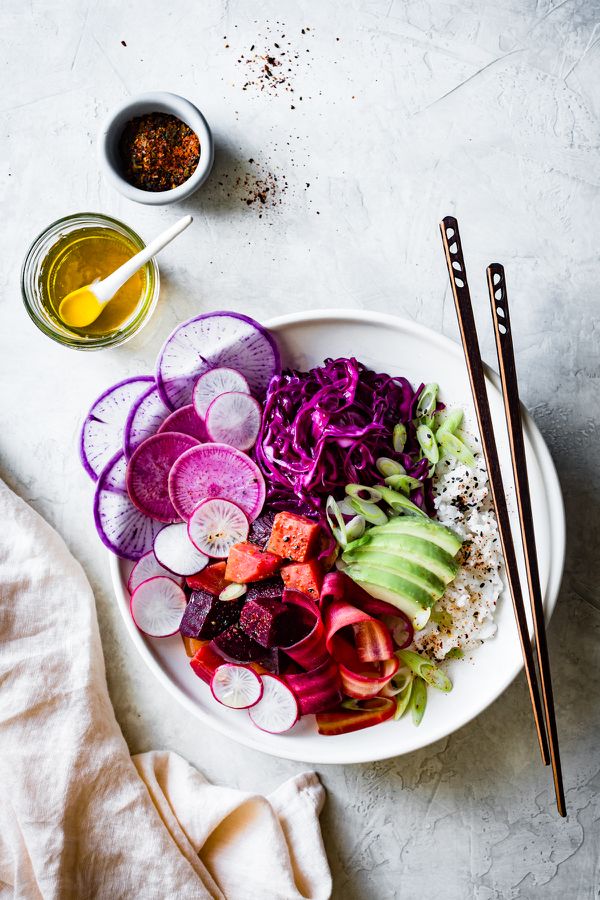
(419, 575)
(393, 589)
(406, 546)
(423, 528)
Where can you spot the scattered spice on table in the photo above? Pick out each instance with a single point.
(159, 152)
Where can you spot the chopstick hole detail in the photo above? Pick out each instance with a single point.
(456, 265)
(459, 282)
(496, 278)
(453, 248)
(498, 294)
(449, 232)
(501, 328)
(500, 311)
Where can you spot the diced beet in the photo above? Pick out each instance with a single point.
(260, 530)
(211, 579)
(238, 645)
(205, 662)
(205, 616)
(304, 577)
(273, 661)
(294, 537)
(247, 562)
(264, 620)
(271, 587)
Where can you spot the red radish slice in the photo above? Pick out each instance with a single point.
(145, 418)
(237, 687)
(210, 341)
(157, 606)
(216, 470)
(174, 550)
(148, 473)
(234, 419)
(149, 567)
(277, 709)
(216, 525)
(214, 383)
(121, 527)
(102, 431)
(186, 421)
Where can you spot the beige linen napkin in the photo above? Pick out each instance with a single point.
(78, 817)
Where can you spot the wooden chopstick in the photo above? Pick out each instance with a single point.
(470, 342)
(510, 390)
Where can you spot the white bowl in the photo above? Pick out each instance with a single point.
(161, 102)
(399, 347)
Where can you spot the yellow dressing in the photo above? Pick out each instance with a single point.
(87, 255)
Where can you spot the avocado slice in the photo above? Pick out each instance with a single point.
(393, 589)
(422, 528)
(403, 566)
(414, 549)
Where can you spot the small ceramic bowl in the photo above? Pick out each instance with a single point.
(155, 102)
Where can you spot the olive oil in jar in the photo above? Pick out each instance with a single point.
(87, 255)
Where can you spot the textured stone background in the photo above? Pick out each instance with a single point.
(400, 112)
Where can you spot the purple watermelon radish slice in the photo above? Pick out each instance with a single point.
(102, 431)
(145, 418)
(148, 473)
(210, 341)
(121, 527)
(186, 421)
(216, 470)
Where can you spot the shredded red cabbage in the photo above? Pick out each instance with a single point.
(326, 428)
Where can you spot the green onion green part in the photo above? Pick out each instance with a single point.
(449, 423)
(359, 490)
(398, 502)
(428, 444)
(453, 446)
(388, 467)
(403, 483)
(427, 670)
(399, 437)
(369, 511)
(418, 700)
(427, 401)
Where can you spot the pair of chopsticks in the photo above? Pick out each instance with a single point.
(542, 702)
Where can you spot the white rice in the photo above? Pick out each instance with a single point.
(463, 503)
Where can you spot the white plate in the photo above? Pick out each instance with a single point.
(400, 347)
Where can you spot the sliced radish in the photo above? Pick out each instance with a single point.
(157, 606)
(145, 418)
(216, 470)
(102, 430)
(216, 525)
(235, 686)
(214, 383)
(277, 709)
(174, 550)
(148, 473)
(234, 419)
(121, 527)
(186, 421)
(149, 567)
(211, 341)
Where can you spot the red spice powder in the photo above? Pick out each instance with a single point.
(158, 151)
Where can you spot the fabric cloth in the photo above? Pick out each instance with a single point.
(78, 817)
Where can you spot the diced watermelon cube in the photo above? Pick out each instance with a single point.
(294, 537)
(304, 577)
(211, 579)
(205, 662)
(247, 562)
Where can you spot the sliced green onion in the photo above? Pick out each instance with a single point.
(427, 401)
(441, 617)
(358, 490)
(370, 511)
(450, 422)
(453, 446)
(335, 520)
(403, 698)
(387, 467)
(398, 502)
(455, 653)
(355, 528)
(424, 668)
(428, 443)
(399, 437)
(403, 483)
(399, 681)
(418, 700)
(345, 508)
(233, 591)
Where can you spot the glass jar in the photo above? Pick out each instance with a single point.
(45, 318)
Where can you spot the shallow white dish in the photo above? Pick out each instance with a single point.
(399, 347)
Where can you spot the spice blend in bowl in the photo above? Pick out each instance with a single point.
(159, 152)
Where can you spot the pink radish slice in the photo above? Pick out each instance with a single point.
(216, 470)
(149, 567)
(174, 550)
(277, 709)
(214, 383)
(157, 606)
(216, 525)
(145, 418)
(148, 473)
(102, 431)
(185, 421)
(234, 419)
(121, 527)
(210, 341)
(235, 686)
